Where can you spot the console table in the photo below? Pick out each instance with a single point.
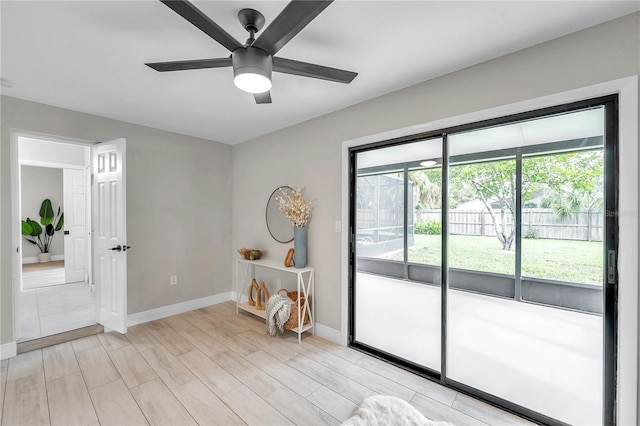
(246, 272)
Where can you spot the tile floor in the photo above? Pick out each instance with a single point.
(50, 310)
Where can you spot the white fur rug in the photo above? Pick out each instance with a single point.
(380, 410)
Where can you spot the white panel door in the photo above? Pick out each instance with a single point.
(75, 225)
(110, 234)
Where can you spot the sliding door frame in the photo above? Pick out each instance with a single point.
(402, 363)
(444, 259)
(610, 278)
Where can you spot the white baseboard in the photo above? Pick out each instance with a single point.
(328, 333)
(26, 260)
(8, 350)
(178, 308)
(234, 295)
(323, 331)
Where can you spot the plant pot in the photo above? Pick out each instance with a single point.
(44, 257)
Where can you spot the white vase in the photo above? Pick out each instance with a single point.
(44, 257)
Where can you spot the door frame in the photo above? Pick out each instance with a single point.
(16, 230)
(627, 339)
(609, 289)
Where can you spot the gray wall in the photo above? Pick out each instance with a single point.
(309, 154)
(172, 180)
(39, 183)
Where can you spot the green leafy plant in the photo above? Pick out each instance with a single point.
(531, 233)
(429, 227)
(34, 233)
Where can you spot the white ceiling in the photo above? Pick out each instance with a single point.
(89, 55)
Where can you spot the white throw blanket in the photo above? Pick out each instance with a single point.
(278, 310)
(381, 410)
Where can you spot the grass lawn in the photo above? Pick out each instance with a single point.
(563, 260)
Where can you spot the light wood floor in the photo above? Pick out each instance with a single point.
(210, 366)
(36, 275)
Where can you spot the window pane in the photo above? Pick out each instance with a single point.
(482, 216)
(545, 355)
(396, 305)
(563, 217)
(380, 216)
(425, 236)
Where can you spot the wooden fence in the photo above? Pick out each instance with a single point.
(538, 223)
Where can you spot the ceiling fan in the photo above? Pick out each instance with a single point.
(254, 61)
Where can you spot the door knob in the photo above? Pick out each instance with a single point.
(117, 248)
(125, 248)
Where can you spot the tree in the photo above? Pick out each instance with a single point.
(567, 203)
(583, 193)
(494, 183)
(428, 186)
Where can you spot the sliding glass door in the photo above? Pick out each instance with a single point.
(394, 315)
(540, 185)
(484, 268)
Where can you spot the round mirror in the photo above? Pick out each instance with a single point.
(278, 225)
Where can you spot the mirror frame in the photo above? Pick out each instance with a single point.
(281, 236)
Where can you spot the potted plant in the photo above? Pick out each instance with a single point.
(33, 232)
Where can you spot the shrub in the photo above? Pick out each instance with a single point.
(531, 233)
(430, 227)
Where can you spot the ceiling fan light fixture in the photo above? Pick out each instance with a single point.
(252, 69)
(252, 62)
(252, 82)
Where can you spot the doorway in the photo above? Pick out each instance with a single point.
(55, 290)
(483, 258)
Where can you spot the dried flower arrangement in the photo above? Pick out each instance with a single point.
(294, 207)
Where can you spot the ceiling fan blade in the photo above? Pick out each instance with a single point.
(192, 14)
(194, 64)
(293, 18)
(262, 98)
(305, 69)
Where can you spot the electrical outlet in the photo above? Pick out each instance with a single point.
(173, 280)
